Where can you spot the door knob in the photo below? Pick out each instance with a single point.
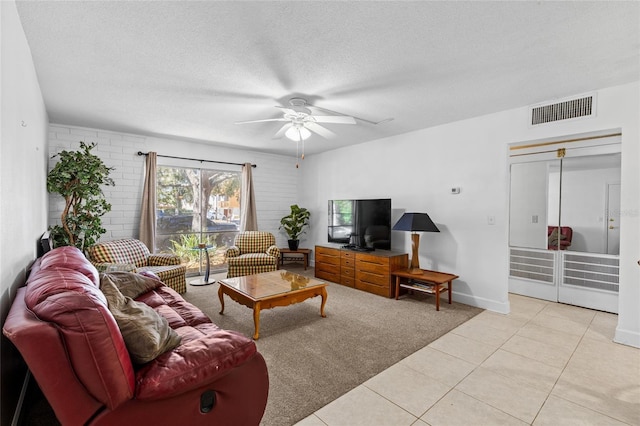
(611, 227)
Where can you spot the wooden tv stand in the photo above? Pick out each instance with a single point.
(368, 271)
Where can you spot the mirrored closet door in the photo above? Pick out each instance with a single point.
(564, 223)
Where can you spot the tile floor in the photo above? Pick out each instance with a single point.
(543, 364)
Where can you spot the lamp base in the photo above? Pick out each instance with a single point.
(414, 266)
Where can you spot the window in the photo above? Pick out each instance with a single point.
(197, 206)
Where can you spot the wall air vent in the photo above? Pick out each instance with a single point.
(574, 108)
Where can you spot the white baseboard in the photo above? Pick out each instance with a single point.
(627, 337)
(480, 302)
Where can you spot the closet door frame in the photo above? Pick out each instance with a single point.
(577, 278)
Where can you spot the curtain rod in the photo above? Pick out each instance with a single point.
(196, 159)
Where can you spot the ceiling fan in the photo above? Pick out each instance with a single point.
(300, 122)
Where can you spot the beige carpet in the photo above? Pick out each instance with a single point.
(313, 360)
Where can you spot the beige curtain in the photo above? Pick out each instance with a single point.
(248, 215)
(148, 210)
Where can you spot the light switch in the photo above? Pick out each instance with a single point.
(491, 220)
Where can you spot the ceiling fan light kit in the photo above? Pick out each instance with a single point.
(297, 133)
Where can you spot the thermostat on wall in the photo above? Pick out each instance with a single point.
(455, 190)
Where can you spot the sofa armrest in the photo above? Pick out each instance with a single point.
(47, 357)
(232, 251)
(160, 259)
(194, 364)
(274, 251)
(115, 267)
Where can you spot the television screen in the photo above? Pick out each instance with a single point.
(360, 223)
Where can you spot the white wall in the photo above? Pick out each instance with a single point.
(275, 177)
(418, 169)
(23, 201)
(23, 119)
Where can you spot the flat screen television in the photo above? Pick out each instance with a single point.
(360, 224)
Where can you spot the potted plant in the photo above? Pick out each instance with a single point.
(78, 178)
(294, 223)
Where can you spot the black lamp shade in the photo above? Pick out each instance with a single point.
(415, 222)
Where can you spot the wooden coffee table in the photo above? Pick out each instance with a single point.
(271, 289)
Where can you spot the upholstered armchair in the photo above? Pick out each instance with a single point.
(131, 255)
(253, 252)
(559, 240)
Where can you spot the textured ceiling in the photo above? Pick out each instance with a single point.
(191, 69)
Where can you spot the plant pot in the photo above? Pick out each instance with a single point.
(293, 244)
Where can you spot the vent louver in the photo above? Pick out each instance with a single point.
(574, 108)
(534, 265)
(602, 273)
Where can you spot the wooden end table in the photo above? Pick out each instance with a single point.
(303, 251)
(430, 282)
(270, 289)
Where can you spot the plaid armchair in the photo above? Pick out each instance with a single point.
(132, 255)
(253, 252)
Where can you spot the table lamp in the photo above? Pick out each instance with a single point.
(415, 222)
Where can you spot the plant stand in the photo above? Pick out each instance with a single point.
(205, 280)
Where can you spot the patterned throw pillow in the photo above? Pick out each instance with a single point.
(145, 332)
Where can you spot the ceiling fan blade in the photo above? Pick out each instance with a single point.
(352, 116)
(287, 110)
(261, 121)
(337, 119)
(283, 129)
(316, 128)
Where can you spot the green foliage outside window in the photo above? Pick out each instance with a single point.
(184, 247)
(189, 191)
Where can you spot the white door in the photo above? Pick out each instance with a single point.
(571, 193)
(588, 272)
(613, 218)
(532, 270)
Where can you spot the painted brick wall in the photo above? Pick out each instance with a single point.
(276, 180)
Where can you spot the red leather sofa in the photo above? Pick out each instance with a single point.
(66, 334)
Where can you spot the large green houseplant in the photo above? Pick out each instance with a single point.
(78, 177)
(294, 223)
